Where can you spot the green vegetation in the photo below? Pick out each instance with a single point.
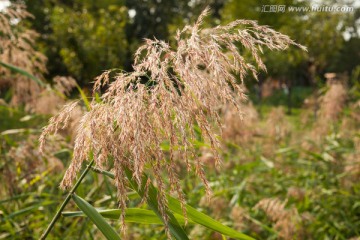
(319, 183)
(289, 170)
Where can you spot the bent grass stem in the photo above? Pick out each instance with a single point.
(67, 199)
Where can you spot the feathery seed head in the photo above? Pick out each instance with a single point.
(17, 48)
(172, 96)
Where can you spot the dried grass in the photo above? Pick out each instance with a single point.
(287, 222)
(238, 215)
(277, 126)
(17, 47)
(330, 108)
(51, 100)
(171, 92)
(47, 102)
(240, 130)
(296, 193)
(333, 102)
(24, 163)
(217, 205)
(269, 86)
(208, 159)
(352, 166)
(64, 84)
(350, 123)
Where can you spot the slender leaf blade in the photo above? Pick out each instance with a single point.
(96, 218)
(205, 220)
(193, 214)
(84, 97)
(133, 215)
(175, 229)
(22, 72)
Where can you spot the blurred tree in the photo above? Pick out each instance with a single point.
(149, 19)
(161, 18)
(322, 32)
(279, 65)
(349, 55)
(82, 37)
(91, 38)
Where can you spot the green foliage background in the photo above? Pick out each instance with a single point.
(82, 38)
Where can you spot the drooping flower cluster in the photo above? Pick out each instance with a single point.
(17, 47)
(288, 222)
(167, 104)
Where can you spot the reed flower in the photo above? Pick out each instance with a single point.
(170, 99)
(331, 106)
(277, 126)
(17, 47)
(240, 131)
(333, 102)
(287, 222)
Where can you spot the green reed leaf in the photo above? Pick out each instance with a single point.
(96, 218)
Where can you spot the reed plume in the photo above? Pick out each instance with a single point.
(287, 222)
(332, 104)
(237, 130)
(17, 47)
(171, 92)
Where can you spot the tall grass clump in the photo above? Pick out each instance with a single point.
(170, 99)
(331, 105)
(240, 131)
(17, 50)
(287, 222)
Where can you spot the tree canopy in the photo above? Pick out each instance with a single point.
(83, 38)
